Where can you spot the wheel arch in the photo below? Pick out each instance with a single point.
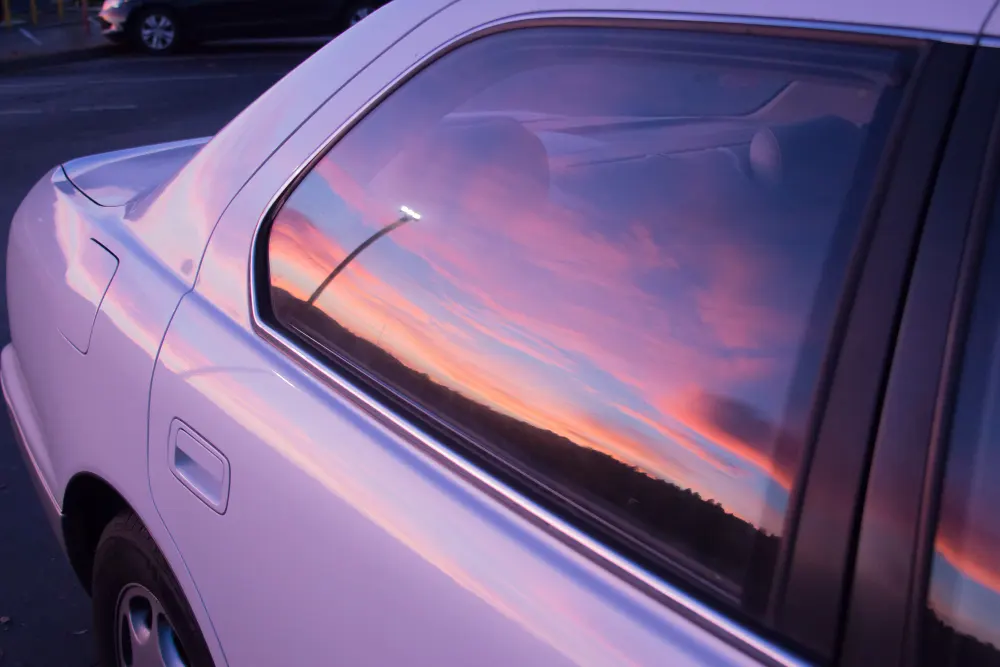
(89, 505)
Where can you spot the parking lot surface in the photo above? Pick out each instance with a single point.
(48, 116)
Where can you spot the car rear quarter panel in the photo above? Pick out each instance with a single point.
(90, 407)
(91, 404)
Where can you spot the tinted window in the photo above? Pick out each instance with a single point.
(962, 624)
(603, 263)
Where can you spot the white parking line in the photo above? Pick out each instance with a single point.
(27, 34)
(99, 107)
(295, 47)
(271, 56)
(106, 107)
(62, 82)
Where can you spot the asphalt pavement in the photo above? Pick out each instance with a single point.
(48, 116)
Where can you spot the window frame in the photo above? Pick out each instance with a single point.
(787, 643)
(916, 425)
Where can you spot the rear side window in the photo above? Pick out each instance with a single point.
(962, 616)
(604, 264)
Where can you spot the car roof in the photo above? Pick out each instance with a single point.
(958, 17)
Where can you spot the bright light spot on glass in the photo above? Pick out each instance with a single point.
(409, 212)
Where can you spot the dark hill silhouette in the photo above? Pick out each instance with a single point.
(943, 646)
(721, 550)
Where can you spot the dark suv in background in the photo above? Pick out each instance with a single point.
(160, 26)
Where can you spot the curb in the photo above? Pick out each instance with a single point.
(41, 60)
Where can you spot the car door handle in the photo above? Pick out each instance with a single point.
(199, 466)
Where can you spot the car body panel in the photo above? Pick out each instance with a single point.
(90, 420)
(964, 18)
(45, 276)
(28, 436)
(120, 177)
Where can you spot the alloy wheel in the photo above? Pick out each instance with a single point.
(144, 635)
(158, 32)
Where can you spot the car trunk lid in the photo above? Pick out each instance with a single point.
(120, 177)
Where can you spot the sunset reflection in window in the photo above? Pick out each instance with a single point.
(605, 268)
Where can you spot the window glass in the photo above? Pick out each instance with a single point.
(604, 263)
(962, 617)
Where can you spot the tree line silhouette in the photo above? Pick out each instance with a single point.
(942, 645)
(660, 518)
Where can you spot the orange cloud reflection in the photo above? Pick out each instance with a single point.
(646, 305)
(525, 352)
(971, 565)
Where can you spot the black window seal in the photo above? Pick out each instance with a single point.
(985, 221)
(900, 509)
(812, 604)
(763, 643)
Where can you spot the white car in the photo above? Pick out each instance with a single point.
(539, 333)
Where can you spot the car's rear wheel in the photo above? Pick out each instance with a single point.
(155, 30)
(141, 618)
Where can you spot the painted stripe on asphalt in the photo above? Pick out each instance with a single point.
(102, 107)
(64, 81)
(278, 47)
(271, 55)
(27, 34)
(106, 107)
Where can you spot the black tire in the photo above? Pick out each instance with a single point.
(353, 12)
(160, 16)
(127, 559)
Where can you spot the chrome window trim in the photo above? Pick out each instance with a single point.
(689, 606)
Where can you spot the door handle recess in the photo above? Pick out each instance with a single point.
(199, 466)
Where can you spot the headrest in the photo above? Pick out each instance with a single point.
(472, 163)
(809, 157)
